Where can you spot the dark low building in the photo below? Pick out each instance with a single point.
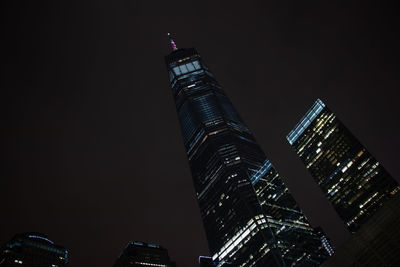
(138, 253)
(34, 250)
(205, 261)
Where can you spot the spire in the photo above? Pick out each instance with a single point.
(172, 42)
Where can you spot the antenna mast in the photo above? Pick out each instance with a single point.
(172, 42)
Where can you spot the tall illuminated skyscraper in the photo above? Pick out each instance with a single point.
(351, 178)
(249, 216)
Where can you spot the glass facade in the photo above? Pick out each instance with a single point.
(249, 216)
(351, 178)
(32, 249)
(138, 253)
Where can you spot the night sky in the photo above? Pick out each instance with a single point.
(91, 145)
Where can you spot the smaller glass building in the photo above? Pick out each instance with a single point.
(138, 253)
(354, 182)
(34, 250)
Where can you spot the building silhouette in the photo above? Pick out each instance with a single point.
(205, 261)
(34, 250)
(138, 253)
(354, 182)
(249, 216)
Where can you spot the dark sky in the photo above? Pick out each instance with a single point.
(91, 145)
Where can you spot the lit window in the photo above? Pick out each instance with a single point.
(183, 69)
(190, 67)
(177, 71)
(196, 65)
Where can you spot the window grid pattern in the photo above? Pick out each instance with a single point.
(207, 108)
(189, 123)
(351, 178)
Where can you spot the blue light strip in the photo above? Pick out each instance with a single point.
(205, 257)
(311, 114)
(40, 237)
(261, 172)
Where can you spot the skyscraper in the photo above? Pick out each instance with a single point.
(249, 216)
(351, 178)
(138, 253)
(33, 250)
